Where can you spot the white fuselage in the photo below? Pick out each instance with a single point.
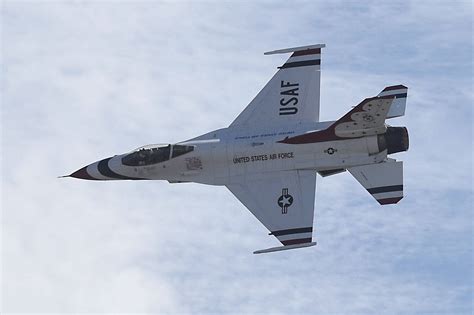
(224, 156)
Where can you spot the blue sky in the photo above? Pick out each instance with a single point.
(85, 80)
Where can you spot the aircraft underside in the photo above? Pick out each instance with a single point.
(269, 156)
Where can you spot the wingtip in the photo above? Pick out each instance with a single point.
(294, 49)
(285, 247)
(64, 176)
(394, 87)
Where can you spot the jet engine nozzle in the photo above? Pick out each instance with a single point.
(395, 139)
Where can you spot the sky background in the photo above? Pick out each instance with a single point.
(81, 81)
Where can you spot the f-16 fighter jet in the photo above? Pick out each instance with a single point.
(270, 154)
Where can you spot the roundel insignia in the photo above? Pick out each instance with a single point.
(330, 151)
(285, 200)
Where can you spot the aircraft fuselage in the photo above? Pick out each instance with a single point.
(225, 155)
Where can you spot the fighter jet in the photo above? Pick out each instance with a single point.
(268, 157)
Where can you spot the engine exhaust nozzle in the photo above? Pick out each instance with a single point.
(395, 139)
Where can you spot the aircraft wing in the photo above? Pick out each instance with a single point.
(283, 202)
(292, 95)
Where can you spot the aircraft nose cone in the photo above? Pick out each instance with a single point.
(82, 174)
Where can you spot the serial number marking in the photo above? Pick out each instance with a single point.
(264, 135)
(289, 98)
(263, 157)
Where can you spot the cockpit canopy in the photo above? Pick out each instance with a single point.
(153, 154)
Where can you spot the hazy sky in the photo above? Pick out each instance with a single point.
(81, 81)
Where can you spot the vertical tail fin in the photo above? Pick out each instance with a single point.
(365, 119)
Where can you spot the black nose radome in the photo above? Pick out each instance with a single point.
(82, 174)
(395, 139)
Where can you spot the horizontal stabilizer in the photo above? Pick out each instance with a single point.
(397, 109)
(384, 181)
(331, 172)
(280, 248)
